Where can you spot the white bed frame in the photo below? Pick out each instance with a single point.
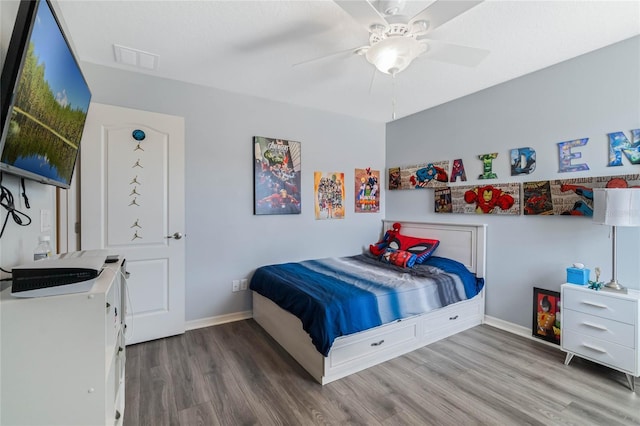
(465, 243)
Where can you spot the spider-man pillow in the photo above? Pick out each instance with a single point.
(379, 248)
(423, 248)
(400, 258)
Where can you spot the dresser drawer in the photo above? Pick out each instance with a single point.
(601, 351)
(601, 328)
(373, 342)
(600, 304)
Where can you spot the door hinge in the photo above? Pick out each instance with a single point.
(76, 227)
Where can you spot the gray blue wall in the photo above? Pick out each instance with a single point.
(225, 241)
(588, 96)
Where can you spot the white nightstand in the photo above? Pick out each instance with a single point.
(603, 327)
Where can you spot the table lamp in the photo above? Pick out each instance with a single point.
(616, 207)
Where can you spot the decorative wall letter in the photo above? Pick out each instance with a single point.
(458, 170)
(523, 161)
(619, 142)
(487, 164)
(565, 154)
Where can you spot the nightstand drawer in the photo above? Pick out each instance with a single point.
(601, 351)
(601, 328)
(600, 304)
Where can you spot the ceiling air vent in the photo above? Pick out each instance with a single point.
(134, 57)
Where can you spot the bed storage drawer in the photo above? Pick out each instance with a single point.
(451, 316)
(376, 340)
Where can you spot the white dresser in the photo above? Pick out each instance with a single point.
(62, 358)
(602, 326)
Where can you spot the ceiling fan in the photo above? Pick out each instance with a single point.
(395, 40)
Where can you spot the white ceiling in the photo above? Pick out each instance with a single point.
(250, 47)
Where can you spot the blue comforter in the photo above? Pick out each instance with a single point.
(334, 297)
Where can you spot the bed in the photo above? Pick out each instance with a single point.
(383, 337)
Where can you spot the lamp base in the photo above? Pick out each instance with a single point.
(614, 285)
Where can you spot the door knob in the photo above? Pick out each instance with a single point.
(175, 236)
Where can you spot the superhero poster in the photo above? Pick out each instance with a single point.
(442, 202)
(329, 195)
(570, 197)
(276, 176)
(537, 198)
(426, 175)
(500, 199)
(394, 178)
(367, 191)
(546, 315)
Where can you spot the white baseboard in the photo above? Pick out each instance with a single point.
(239, 316)
(515, 329)
(219, 319)
(507, 326)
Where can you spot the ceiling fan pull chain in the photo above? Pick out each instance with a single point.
(393, 96)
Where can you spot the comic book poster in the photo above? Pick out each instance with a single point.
(546, 315)
(501, 199)
(426, 175)
(570, 197)
(394, 178)
(442, 202)
(329, 195)
(367, 191)
(276, 174)
(537, 198)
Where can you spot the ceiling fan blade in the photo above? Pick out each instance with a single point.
(455, 54)
(442, 11)
(363, 12)
(350, 52)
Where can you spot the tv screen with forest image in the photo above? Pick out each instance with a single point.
(43, 126)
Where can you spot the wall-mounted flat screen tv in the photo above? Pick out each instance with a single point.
(45, 99)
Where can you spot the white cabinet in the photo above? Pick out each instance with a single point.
(62, 358)
(602, 326)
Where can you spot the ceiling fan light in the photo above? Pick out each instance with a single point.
(394, 54)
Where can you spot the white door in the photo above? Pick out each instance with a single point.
(132, 203)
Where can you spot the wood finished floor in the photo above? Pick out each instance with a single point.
(235, 374)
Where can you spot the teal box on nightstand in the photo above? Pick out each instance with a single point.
(577, 276)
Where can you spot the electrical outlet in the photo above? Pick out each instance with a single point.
(243, 284)
(235, 285)
(45, 220)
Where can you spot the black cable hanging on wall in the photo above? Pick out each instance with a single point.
(6, 201)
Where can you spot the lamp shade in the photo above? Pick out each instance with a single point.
(616, 206)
